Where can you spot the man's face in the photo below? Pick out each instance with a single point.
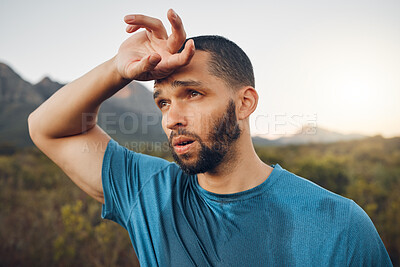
(198, 116)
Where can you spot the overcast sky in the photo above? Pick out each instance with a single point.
(332, 64)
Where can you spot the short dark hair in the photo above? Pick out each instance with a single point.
(228, 61)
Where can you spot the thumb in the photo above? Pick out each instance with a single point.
(149, 63)
(146, 64)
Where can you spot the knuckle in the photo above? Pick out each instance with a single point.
(158, 23)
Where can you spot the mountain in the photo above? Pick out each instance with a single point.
(308, 135)
(17, 100)
(46, 87)
(13, 89)
(129, 116)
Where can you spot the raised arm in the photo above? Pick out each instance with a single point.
(61, 127)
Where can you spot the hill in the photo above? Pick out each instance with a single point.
(308, 135)
(128, 116)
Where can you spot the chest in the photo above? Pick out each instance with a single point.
(189, 230)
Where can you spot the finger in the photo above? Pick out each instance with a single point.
(178, 36)
(146, 64)
(151, 24)
(132, 28)
(181, 59)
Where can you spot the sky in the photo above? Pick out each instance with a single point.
(329, 64)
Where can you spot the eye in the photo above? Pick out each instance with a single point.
(162, 104)
(194, 93)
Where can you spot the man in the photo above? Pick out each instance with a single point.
(222, 206)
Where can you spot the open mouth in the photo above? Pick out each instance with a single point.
(182, 144)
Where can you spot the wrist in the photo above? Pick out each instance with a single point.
(117, 77)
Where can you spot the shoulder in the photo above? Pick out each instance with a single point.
(302, 190)
(124, 168)
(364, 246)
(119, 158)
(333, 217)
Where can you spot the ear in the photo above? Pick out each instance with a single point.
(247, 102)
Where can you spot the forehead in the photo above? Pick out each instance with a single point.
(197, 70)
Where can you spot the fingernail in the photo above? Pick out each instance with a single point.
(129, 17)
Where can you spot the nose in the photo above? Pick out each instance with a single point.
(176, 116)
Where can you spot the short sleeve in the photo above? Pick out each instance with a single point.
(124, 173)
(365, 247)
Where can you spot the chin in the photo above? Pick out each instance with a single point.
(188, 159)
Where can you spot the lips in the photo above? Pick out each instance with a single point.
(182, 141)
(182, 144)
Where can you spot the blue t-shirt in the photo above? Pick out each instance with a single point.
(285, 221)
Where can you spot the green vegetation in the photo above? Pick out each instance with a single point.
(45, 220)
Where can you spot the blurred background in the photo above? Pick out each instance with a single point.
(328, 76)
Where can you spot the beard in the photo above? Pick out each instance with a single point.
(224, 132)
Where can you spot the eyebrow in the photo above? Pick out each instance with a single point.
(178, 83)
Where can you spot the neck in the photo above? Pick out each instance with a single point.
(239, 172)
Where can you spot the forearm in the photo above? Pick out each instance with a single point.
(73, 108)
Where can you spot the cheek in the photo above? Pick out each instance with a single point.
(164, 126)
(203, 124)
